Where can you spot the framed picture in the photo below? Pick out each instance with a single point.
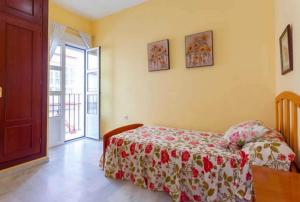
(199, 50)
(286, 50)
(158, 56)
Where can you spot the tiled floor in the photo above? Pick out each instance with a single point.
(72, 175)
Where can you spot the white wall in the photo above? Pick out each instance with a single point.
(288, 12)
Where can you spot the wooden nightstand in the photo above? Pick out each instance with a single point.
(275, 186)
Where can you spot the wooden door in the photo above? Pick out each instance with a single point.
(23, 79)
(30, 10)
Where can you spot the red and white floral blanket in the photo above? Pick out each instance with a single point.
(189, 165)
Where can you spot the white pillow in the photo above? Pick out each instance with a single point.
(242, 133)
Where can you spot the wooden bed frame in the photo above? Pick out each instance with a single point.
(286, 113)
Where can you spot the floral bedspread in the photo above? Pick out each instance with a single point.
(271, 151)
(189, 165)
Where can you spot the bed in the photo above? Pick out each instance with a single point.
(200, 166)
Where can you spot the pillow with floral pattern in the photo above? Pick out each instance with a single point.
(271, 151)
(242, 133)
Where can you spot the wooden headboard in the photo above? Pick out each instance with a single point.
(286, 109)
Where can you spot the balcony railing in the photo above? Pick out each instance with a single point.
(73, 111)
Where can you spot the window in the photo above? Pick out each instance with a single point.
(74, 75)
(92, 82)
(93, 60)
(55, 80)
(56, 58)
(74, 89)
(92, 104)
(54, 105)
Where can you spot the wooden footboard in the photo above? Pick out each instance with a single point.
(116, 132)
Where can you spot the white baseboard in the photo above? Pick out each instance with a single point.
(56, 145)
(24, 166)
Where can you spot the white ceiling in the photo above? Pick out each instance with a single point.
(95, 9)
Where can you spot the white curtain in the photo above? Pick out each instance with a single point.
(56, 32)
(87, 39)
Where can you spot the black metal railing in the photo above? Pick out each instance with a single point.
(54, 106)
(72, 112)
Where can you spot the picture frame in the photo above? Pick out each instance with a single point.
(286, 50)
(158, 56)
(199, 50)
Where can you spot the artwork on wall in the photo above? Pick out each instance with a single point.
(286, 50)
(158, 56)
(199, 49)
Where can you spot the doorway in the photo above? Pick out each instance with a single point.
(74, 92)
(74, 101)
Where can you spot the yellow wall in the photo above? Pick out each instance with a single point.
(239, 87)
(68, 18)
(287, 12)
